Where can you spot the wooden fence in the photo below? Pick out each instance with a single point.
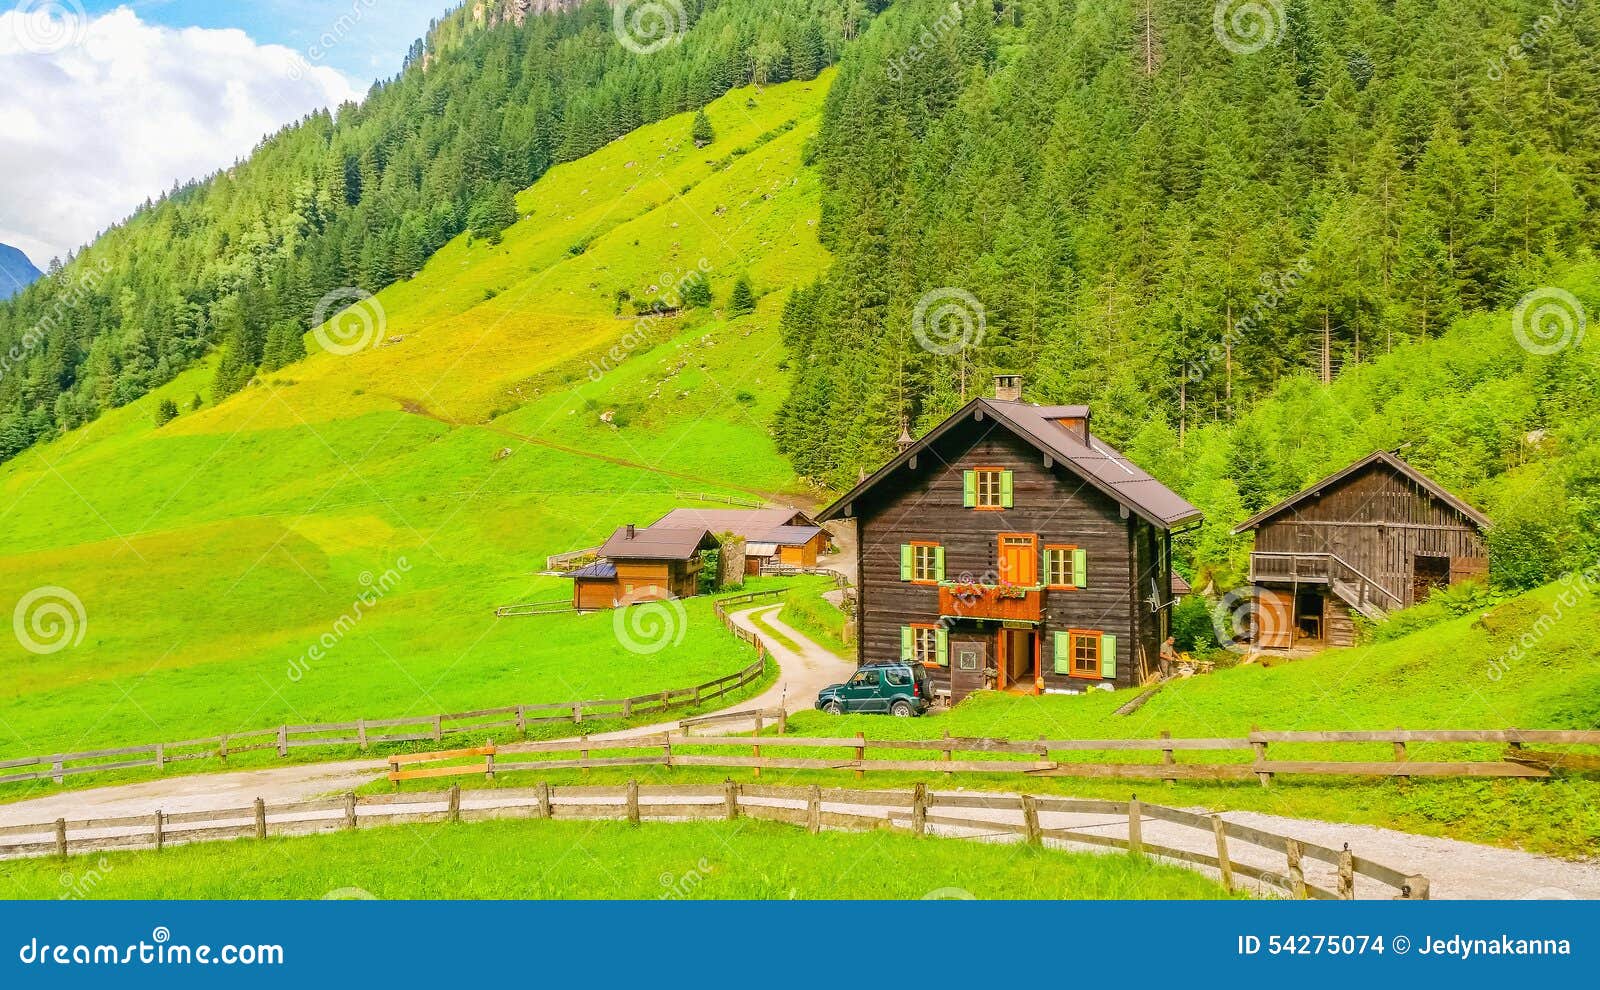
(1033, 758)
(364, 733)
(1204, 841)
(556, 606)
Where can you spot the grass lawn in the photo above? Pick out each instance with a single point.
(579, 860)
(821, 621)
(1436, 678)
(207, 557)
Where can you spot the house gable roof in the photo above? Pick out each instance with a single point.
(1090, 458)
(752, 524)
(1382, 457)
(656, 543)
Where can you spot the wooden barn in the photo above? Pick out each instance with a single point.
(1375, 537)
(771, 536)
(1012, 548)
(641, 564)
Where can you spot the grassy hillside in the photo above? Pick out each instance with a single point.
(440, 464)
(557, 860)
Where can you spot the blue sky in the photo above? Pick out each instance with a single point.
(372, 49)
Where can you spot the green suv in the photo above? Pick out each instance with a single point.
(879, 688)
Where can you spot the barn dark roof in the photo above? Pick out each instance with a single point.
(1086, 455)
(789, 536)
(603, 570)
(752, 524)
(1382, 457)
(656, 543)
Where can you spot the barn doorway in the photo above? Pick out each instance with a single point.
(1310, 617)
(1428, 573)
(1018, 660)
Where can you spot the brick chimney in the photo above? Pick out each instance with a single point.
(1008, 388)
(630, 531)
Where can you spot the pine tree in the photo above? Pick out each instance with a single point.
(701, 130)
(741, 299)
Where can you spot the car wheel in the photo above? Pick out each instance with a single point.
(833, 708)
(902, 709)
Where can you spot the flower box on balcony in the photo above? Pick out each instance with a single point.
(965, 600)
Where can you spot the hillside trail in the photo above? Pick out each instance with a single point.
(800, 676)
(1454, 868)
(777, 498)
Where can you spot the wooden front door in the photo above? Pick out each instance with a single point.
(970, 657)
(1274, 619)
(1019, 558)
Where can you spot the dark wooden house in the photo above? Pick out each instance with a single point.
(641, 564)
(1011, 540)
(1375, 537)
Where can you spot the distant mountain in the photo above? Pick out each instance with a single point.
(16, 271)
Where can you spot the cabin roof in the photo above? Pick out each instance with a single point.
(789, 536)
(1382, 457)
(600, 570)
(1096, 462)
(656, 543)
(752, 524)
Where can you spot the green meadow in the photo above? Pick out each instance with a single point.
(427, 476)
(576, 860)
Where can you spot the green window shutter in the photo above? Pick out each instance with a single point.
(943, 638)
(1108, 655)
(1062, 648)
(938, 563)
(1005, 489)
(906, 650)
(969, 489)
(1080, 568)
(905, 561)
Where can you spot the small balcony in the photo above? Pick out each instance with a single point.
(988, 601)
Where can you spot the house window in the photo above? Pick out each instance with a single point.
(987, 488)
(925, 562)
(1084, 649)
(925, 644)
(1058, 567)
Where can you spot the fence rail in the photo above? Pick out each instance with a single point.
(1205, 841)
(364, 733)
(555, 606)
(990, 755)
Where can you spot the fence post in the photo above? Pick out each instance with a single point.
(783, 721)
(488, 762)
(545, 811)
(861, 754)
(350, 809)
(222, 748)
(919, 809)
(283, 741)
(1224, 864)
(633, 801)
(160, 830)
(161, 756)
(522, 720)
(577, 714)
(1260, 746)
(455, 803)
(261, 818)
(1347, 874)
(1400, 754)
(627, 708)
(814, 810)
(1030, 819)
(730, 799)
(583, 755)
(948, 753)
(438, 727)
(1414, 889)
(61, 837)
(666, 751)
(1297, 876)
(361, 733)
(1135, 826)
(1166, 755)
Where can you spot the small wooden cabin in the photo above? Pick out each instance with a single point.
(771, 536)
(1012, 548)
(642, 564)
(1372, 538)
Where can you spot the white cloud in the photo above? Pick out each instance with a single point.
(104, 113)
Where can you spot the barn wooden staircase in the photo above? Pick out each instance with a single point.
(1354, 597)
(1354, 587)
